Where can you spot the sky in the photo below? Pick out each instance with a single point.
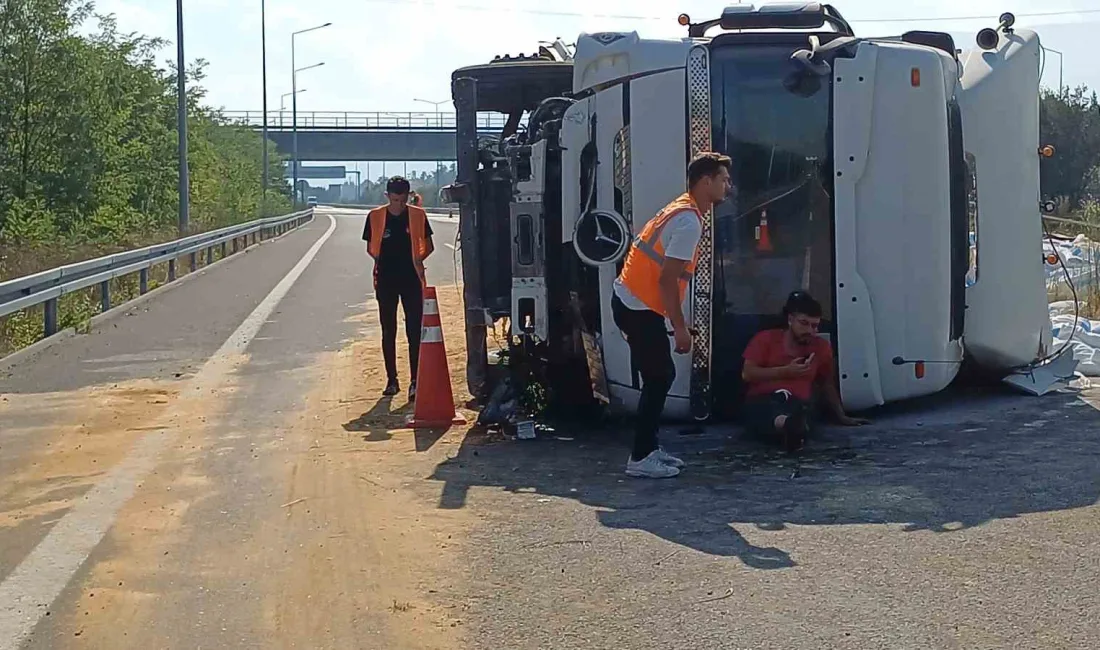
(383, 55)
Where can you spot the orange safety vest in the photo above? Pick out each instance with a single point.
(418, 222)
(642, 268)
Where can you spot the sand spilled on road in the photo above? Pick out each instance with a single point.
(350, 551)
(140, 556)
(91, 430)
(59, 445)
(374, 562)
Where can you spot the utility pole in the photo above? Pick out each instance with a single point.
(263, 48)
(181, 128)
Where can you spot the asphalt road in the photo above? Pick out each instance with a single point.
(77, 410)
(216, 470)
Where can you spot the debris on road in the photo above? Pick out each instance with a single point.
(582, 542)
(729, 592)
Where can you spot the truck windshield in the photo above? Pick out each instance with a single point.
(775, 234)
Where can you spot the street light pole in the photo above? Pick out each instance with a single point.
(282, 98)
(263, 49)
(1060, 67)
(181, 119)
(294, 121)
(358, 183)
(282, 104)
(439, 123)
(294, 103)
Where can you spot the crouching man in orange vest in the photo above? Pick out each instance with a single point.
(651, 289)
(399, 239)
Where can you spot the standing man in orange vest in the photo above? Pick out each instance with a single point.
(650, 291)
(399, 239)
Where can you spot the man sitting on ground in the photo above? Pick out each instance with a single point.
(782, 367)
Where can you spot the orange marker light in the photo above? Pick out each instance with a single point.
(918, 369)
(1047, 151)
(914, 77)
(1052, 259)
(684, 19)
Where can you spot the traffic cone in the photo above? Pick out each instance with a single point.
(434, 405)
(763, 241)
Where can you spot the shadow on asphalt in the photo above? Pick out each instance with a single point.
(943, 464)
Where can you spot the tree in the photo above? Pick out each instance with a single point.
(1070, 121)
(35, 47)
(88, 136)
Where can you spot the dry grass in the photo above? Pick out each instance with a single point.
(19, 261)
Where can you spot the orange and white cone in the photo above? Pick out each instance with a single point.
(435, 403)
(763, 239)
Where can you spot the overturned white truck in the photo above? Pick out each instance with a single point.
(860, 168)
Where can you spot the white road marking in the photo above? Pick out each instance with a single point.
(28, 592)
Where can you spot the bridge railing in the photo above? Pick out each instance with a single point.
(47, 287)
(361, 120)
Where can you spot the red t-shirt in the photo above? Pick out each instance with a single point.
(767, 350)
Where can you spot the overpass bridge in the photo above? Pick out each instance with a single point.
(330, 136)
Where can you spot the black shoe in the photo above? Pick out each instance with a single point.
(412, 390)
(794, 433)
(392, 388)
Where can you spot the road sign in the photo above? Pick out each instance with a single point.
(318, 171)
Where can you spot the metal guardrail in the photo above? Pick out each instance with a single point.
(353, 120)
(47, 287)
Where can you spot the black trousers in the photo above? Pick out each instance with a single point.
(760, 412)
(650, 354)
(410, 294)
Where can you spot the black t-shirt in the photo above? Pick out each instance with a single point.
(395, 257)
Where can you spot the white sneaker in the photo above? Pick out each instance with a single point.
(669, 459)
(650, 467)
